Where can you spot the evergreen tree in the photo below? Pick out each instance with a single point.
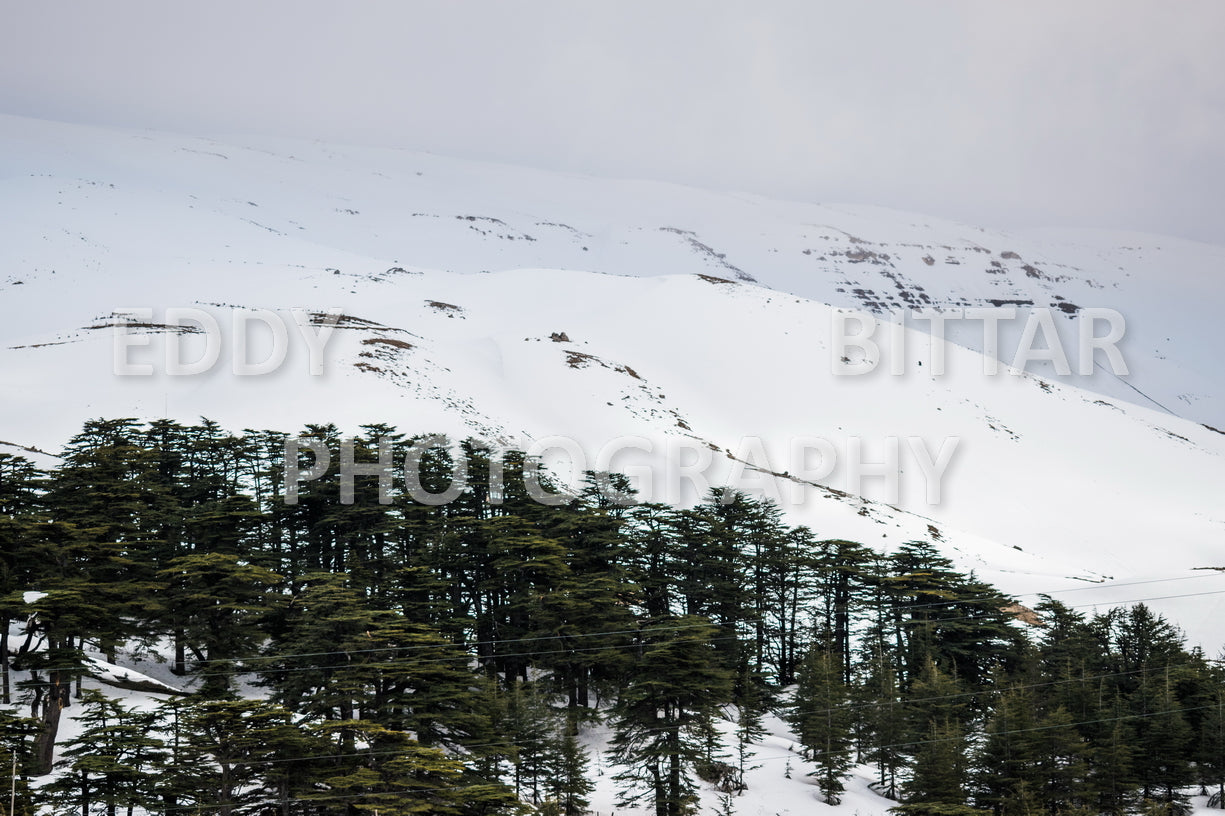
(18, 507)
(395, 623)
(952, 618)
(392, 773)
(531, 725)
(675, 687)
(1112, 778)
(936, 707)
(711, 566)
(1007, 775)
(788, 573)
(823, 721)
(340, 658)
(840, 573)
(1210, 760)
(1143, 640)
(17, 747)
(568, 771)
(113, 763)
(59, 619)
(217, 604)
(523, 596)
(234, 757)
(1070, 652)
(880, 723)
(84, 555)
(1062, 764)
(754, 530)
(592, 602)
(939, 772)
(752, 702)
(1163, 766)
(652, 554)
(937, 809)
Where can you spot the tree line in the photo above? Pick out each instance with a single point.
(337, 658)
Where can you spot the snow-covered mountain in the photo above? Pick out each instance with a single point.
(522, 305)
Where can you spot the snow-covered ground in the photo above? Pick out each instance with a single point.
(777, 784)
(777, 777)
(522, 305)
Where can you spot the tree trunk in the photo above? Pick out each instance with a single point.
(54, 701)
(225, 803)
(4, 659)
(110, 657)
(674, 773)
(180, 653)
(661, 796)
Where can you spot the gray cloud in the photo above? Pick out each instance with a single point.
(1091, 113)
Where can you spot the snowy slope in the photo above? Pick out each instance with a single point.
(688, 318)
(79, 199)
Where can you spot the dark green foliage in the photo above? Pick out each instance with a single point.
(415, 780)
(677, 683)
(940, 768)
(822, 719)
(711, 567)
(880, 723)
(234, 756)
(570, 784)
(531, 726)
(550, 767)
(1210, 758)
(114, 763)
(1164, 764)
(439, 657)
(392, 773)
(218, 604)
(946, 616)
(1061, 765)
(841, 572)
(1033, 759)
(937, 707)
(17, 749)
(339, 659)
(937, 809)
(752, 700)
(1007, 780)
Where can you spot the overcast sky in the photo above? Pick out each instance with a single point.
(1107, 113)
